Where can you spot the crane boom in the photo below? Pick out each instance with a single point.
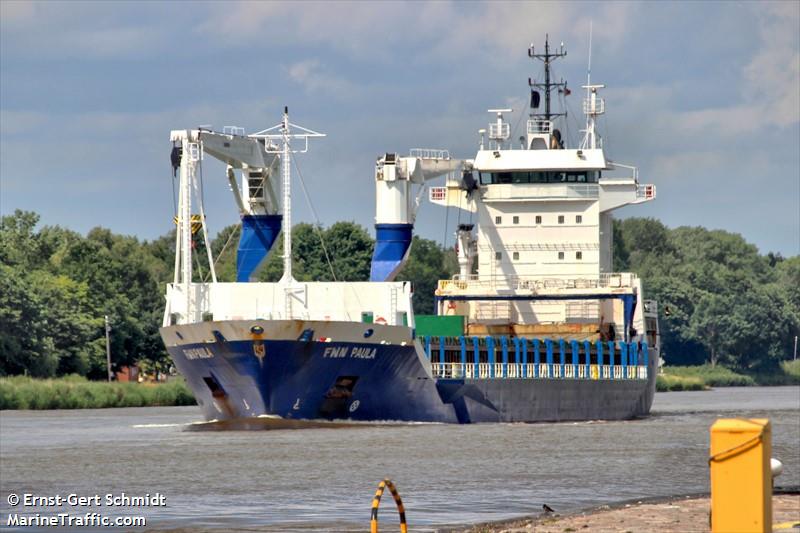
(395, 205)
(255, 197)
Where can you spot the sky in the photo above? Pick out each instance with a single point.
(704, 98)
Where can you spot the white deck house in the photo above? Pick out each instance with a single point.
(544, 228)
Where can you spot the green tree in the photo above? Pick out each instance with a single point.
(714, 327)
(427, 264)
(20, 245)
(223, 248)
(349, 248)
(728, 303)
(71, 325)
(25, 345)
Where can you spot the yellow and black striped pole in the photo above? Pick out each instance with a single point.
(376, 501)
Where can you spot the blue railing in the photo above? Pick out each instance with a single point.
(521, 358)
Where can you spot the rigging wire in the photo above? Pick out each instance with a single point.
(206, 241)
(316, 218)
(446, 216)
(236, 229)
(197, 262)
(573, 116)
(174, 199)
(205, 235)
(519, 120)
(604, 137)
(318, 229)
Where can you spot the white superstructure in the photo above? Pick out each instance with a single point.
(544, 223)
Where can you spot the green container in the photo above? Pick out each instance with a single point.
(440, 326)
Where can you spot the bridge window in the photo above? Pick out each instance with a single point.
(561, 256)
(498, 220)
(540, 176)
(538, 219)
(578, 255)
(498, 256)
(560, 219)
(578, 219)
(515, 220)
(516, 256)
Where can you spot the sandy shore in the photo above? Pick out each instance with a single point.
(681, 515)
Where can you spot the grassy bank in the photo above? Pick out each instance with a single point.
(676, 378)
(667, 382)
(75, 392)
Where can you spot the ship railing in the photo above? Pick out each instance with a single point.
(521, 358)
(605, 280)
(508, 191)
(596, 106)
(648, 191)
(537, 371)
(633, 169)
(544, 371)
(429, 153)
(540, 126)
(500, 131)
(233, 130)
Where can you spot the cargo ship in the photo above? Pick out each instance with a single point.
(535, 326)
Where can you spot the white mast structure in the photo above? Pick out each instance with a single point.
(284, 133)
(592, 105)
(190, 158)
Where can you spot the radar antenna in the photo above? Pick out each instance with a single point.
(547, 57)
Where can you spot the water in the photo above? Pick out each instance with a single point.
(324, 478)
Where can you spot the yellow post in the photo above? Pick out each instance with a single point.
(741, 479)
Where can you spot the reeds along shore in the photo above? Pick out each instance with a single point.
(75, 392)
(677, 378)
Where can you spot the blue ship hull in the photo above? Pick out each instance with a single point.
(309, 376)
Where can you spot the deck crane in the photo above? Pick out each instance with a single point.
(396, 206)
(255, 196)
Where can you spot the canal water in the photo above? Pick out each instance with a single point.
(323, 479)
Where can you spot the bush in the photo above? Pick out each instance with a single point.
(666, 382)
(792, 369)
(717, 376)
(75, 392)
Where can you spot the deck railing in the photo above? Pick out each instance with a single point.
(519, 358)
(614, 280)
(527, 371)
(540, 126)
(429, 153)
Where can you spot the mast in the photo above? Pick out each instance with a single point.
(593, 106)
(189, 160)
(287, 200)
(547, 57)
(285, 132)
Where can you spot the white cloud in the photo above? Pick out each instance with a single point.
(684, 166)
(773, 75)
(770, 82)
(314, 78)
(447, 29)
(83, 30)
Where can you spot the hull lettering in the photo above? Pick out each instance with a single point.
(197, 353)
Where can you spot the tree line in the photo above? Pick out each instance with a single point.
(721, 301)
(727, 303)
